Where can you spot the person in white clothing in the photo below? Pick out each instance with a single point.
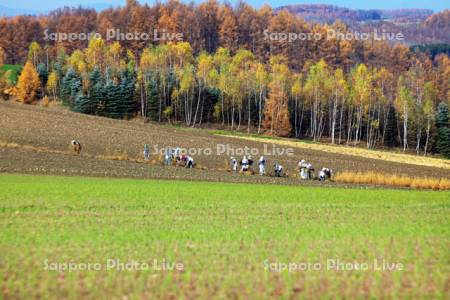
(234, 164)
(302, 169)
(278, 170)
(244, 164)
(325, 174)
(262, 165)
(168, 156)
(146, 152)
(310, 170)
(189, 162)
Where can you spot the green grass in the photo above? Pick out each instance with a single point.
(244, 134)
(13, 75)
(223, 234)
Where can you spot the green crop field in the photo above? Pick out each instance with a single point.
(72, 237)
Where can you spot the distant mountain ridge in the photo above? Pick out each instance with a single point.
(325, 13)
(418, 26)
(12, 12)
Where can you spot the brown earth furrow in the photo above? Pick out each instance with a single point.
(52, 129)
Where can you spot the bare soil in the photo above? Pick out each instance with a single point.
(39, 142)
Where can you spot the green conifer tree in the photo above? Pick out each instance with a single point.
(82, 104)
(67, 87)
(96, 92)
(443, 130)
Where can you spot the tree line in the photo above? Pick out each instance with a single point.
(207, 26)
(170, 83)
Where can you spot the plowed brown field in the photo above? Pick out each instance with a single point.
(35, 139)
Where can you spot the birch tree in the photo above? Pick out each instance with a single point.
(430, 96)
(403, 103)
(339, 93)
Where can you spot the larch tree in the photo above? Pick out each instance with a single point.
(209, 25)
(228, 30)
(2, 56)
(4, 78)
(28, 84)
(442, 75)
(276, 115)
(167, 22)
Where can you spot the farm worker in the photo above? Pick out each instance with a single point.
(250, 160)
(244, 163)
(325, 174)
(234, 164)
(176, 153)
(310, 170)
(189, 162)
(302, 167)
(278, 170)
(168, 157)
(76, 145)
(262, 166)
(146, 152)
(181, 159)
(250, 163)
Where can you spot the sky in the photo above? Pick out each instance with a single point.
(435, 5)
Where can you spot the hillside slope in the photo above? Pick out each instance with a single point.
(36, 139)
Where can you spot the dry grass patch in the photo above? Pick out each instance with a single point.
(8, 145)
(115, 156)
(361, 152)
(393, 180)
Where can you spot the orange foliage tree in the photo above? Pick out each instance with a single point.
(28, 84)
(276, 115)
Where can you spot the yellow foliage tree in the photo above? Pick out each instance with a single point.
(33, 52)
(28, 84)
(52, 84)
